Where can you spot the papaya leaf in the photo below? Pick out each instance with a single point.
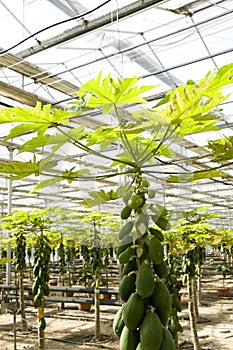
(104, 136)
(46, 183)
(196, 100)
(104, 196)
(40, 118)
(68, 175)
(24, 128)
(108, 93)
(222, 149)
(195, 176)
(34, 142)
(19, 170)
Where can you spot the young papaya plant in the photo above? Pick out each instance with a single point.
(191, 234)
(172, 277)
(40, 224)
(141, 144)
(18, 224)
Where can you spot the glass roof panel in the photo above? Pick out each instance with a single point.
(166, 44)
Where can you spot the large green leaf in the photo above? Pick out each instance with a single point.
(68, 175)
(107, 93)
(40, 118)
(195, 176)
(191, 102)
(19, 170)
(222, 149)
(104, 196)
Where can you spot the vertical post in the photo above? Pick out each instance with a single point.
(9, 206)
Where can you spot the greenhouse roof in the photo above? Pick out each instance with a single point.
(51, 47)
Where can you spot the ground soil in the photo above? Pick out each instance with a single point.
(72, 329)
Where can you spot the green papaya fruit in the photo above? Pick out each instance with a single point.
(36, 269)
(46, 289)
(161, 300)
(158, 234)
(156, 252)
(126, 212)
(134, 311)
(126, 287)
(158, 209)
(162, 222)
(42, 323)
(126, 229)
(126, 255)
(118, 323)
(151, 332)
(167, 342)
(174, 325)
(145, 183)
(161, 269)
(130, 266)
(123, 245)
(145, 280)
(129, 339)
(176, 303)
(37, 301)
(135, 201)
(35, 287)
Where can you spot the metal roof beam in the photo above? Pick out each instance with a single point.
(37, 74)
(22, 96)
(89, 26)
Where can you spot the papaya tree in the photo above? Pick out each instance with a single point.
(18, 224)
(97, 221)
(40, 225)
(141, 143)
(192, 233)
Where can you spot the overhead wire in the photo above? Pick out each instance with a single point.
(165, 36)
(55, 25)
(121, 52)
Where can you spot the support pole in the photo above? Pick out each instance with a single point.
(9, 206)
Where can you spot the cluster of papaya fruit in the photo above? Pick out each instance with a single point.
(40, 286)
(142, 321)
(173, 284)
(20, 252)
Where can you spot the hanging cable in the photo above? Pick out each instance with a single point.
(54, 25)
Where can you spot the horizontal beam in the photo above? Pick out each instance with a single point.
(37, 74)
(22, 96)
(89, 26)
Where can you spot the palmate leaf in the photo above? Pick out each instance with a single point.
(108, 93)
(58, 140)
(192, 101)
(19, 170)
(103, 136)
(68, 175)
(222, 149)
(102, 196)
(195, 176)
(39, 118)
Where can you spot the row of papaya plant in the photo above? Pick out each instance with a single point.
(35, 229)
(142, 145)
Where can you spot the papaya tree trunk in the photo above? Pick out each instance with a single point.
(195, 299)
(22, 302)
(63, 284)
(41, 338)
(192, 316)
(199, 293)
(97, 311)
(176, 341)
